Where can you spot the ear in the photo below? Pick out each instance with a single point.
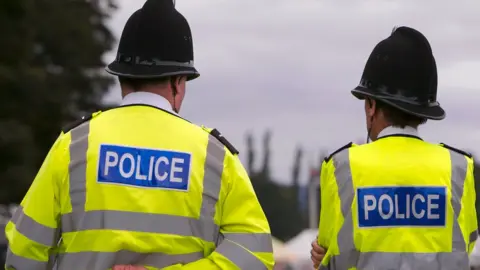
(371, 107)
(180, 79)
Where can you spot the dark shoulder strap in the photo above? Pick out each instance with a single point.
(76, 123)
(456, 150)
(215, 133)
(350, 144)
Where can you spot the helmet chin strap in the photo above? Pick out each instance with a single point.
(174, 93)
(369, 132)
(174, 108)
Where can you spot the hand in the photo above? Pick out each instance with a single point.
(128, 267)
(317, 254)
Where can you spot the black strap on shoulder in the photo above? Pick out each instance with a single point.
(457, 150)
(77, 123)
(215, 133)
(338, 151)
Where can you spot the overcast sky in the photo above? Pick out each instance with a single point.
(289, 65)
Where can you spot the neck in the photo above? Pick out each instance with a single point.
(148, 98)
(151, 90)
(376, 129)
(390, 130)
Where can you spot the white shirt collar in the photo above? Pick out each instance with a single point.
(147, 98)
(397, 130)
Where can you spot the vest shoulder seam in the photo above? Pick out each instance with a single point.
(347, 146)
(67, 128)
(456, 150)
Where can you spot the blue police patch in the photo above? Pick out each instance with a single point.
(401, 206)
(143, 167)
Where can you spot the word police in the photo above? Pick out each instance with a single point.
(144, 167)
(401, 206)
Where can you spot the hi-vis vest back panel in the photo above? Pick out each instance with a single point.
(136, 185)
(397, 203)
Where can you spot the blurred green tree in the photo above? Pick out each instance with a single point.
(250, 153)
(296, 186)
(51, 72)
(297, 164)
(279, 202)
(267, 138)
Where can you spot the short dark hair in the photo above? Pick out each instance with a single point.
(399, 118)
(139, 83)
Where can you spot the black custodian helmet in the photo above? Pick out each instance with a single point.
(156, 42)
(401, 72)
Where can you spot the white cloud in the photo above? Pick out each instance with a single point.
(461, 75)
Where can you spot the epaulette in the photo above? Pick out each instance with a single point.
(457, 150)
(350, 144)
(77, 123)
(215, 133)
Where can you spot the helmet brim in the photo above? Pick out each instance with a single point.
(429, 112)
(151, 72)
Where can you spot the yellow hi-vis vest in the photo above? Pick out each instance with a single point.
(137, 185)
(397, 203)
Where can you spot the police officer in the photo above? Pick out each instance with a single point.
(137, 184)
(398, 202)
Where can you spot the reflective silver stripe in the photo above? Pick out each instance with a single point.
(350, 257)
(239, 256)
(255, 242)
(343, 176)
(78, 168)
(139, 222)
(105, 260)
(423, 261)
(18, 262)
(459, 167)
(33, 230)
(212, 181)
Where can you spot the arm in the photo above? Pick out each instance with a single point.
(316, 254)
(468, 211)
(33, 231)
(245, 241)
(475, 174)
(328, 196)
(329, 215)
